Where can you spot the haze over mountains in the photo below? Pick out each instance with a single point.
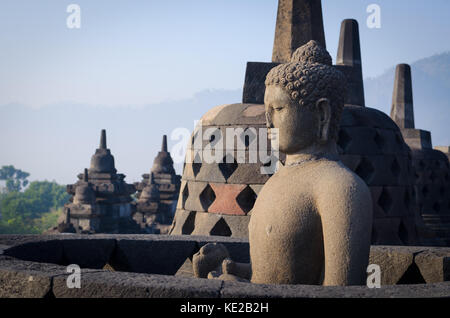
(55, 142)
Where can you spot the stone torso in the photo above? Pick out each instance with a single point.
(300, 211)
(285, 227)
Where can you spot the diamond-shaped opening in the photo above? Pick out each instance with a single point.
(437, 207)
(395, 168)
(221, 229)
(226, 167)
(425, 191)
(214, 138)
(379, 140)
(246, 199)
(207, 197)
(403, 233)
(247, 137)
(184, 195)
(385, 201)
(365, 170)
(189, 224)
(344, 139)
(196, 165)
(412, 276)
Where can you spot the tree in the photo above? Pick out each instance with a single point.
(16, 179)
(33, 209)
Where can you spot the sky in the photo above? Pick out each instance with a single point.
(133, 54)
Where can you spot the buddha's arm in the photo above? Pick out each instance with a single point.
(346, 223)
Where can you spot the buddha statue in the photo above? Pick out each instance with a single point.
(311, 223)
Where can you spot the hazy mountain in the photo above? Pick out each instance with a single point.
(431, 94)
(56, 142)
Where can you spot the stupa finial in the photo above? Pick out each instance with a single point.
(103, 139)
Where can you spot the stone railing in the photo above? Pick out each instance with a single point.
(160, 266)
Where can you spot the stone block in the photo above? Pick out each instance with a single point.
(417, 138)
(132, 285)
(393, 261)
(194, 200)
(238, 225)
(210, 172)
(255, 76)
(184, 222)
(226, 201)
(206, 222)
(248, 173)
(434, 264)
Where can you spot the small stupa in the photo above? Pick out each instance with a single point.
(158, 194)
(430, 166)
(101, 201)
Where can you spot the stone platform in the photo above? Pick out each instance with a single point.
(131, 266)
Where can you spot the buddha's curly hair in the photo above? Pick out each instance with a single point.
(310, 53)
(309, 77)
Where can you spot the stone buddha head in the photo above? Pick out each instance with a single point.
(304, 99)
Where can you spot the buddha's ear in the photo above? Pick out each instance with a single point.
(324, 110)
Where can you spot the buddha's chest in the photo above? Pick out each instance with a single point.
(285, 209)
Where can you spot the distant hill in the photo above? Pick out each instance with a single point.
(431, 94)
(56, 142)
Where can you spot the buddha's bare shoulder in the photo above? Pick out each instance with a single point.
(339, 186)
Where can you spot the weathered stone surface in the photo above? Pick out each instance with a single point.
(417, 138)
(248, 173)
(434, 265)
(243, 290)
(194, 201)
(183, 223)
(402, 111)
(349, 61)
(298, 21)
(22, 279)
(394, 262)
(254, 87)
(156, 256)
(238, 225)
(210, 172)
(210, 224)
(132, 285)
